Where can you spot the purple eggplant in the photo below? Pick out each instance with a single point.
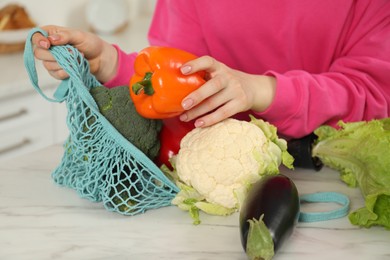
(268, 216)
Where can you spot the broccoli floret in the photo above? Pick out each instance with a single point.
(117, 106)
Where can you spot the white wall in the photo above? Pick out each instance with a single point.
(71, 13)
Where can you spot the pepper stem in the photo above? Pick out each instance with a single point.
(145, 85)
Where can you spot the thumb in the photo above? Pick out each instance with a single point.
(45, 42)
(60, 35)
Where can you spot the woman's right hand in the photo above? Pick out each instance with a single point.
(101, 55)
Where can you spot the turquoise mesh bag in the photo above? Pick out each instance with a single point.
(98, 162)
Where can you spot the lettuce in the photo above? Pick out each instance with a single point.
(360, 151)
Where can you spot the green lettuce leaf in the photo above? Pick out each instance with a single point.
(276, 145)
(360, 151)
(188, 199)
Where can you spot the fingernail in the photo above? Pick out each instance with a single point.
(44, 44)
(199, 123)
(54, 37)
(183, 117)
(185, 69)
(187, 103)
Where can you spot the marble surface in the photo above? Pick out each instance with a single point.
(40, 220)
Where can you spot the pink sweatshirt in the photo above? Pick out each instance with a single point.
(331, 58)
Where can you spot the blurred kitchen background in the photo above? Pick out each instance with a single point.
(28, 122)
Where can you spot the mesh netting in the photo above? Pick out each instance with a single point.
(98, 162)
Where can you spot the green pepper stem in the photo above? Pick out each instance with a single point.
(145, 85)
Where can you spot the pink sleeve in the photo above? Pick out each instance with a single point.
(176, 25)
(356, 87)
(305, 101)
(124, 71)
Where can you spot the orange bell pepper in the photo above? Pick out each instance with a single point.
(158, 87)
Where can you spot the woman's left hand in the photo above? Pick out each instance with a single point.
(226, 92)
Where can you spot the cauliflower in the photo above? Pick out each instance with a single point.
(216, 165)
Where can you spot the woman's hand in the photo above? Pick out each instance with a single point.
(226, 93)
(102, 56)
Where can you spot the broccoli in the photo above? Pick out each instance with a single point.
(117, 106)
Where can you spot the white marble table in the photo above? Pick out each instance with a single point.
(40, 220)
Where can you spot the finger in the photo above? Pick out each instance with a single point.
(220, 114)
(207, 90)
(207, 105)
(58, 35)
(204, 63)
(51, 65)
(59, 74)
(42, 54)
(40, 41)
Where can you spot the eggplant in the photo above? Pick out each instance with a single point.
(268, 216)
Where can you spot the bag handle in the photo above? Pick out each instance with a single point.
(67, 56)
(326, 197)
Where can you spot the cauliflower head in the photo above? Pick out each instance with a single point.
(216, 165)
